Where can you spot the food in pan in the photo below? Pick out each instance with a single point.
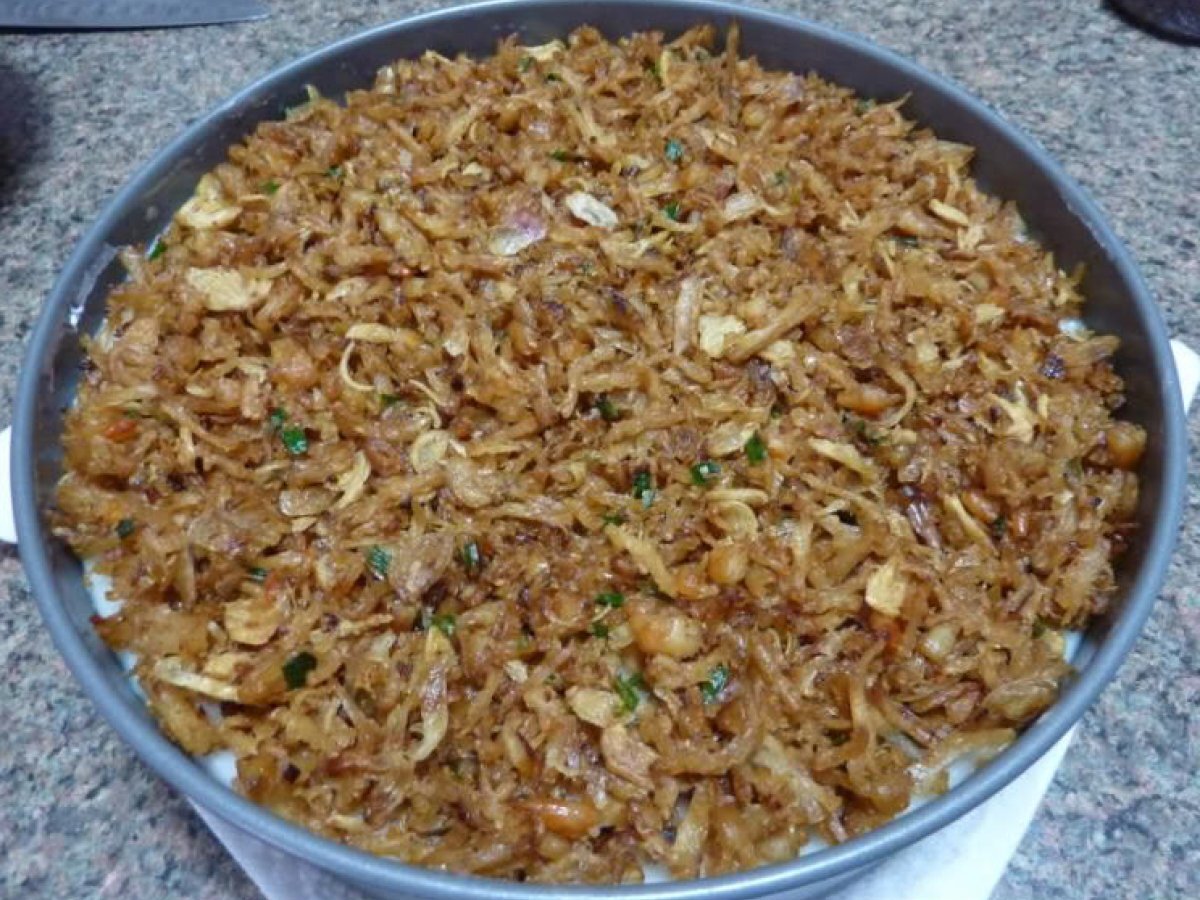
(597, 457)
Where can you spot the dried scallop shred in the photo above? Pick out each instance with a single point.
(528, 474)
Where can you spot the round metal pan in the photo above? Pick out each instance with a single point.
(1008, 164)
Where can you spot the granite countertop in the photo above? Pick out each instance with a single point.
(80, 816)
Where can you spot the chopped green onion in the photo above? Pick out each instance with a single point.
(472, 558)
(388, 400)
(561, 155)
(643, 487)
(378, 561)
(1040, 627)
(863, 106)
(604, 406)
(1075, 468)
(629, 688)
(159, 248)
(673, 151)
(703, 471)
(611, 599)
(864, 432)
(999, 526)
(781, 177)
(296, 669)
(258, 574)
(278, 418)
(907, 240)
(599, 629)
(671, 211)
(125, 528)
(614, 518)
(334, 171)
(294, 439)
(270, 187)
(756, 450)
(718, 679)
(525, 63)
(445, 623)
(553, 76)
(652, 68)
(777, 410)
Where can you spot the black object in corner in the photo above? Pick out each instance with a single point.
(1178, 19)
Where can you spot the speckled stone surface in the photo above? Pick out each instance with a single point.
(81, 817)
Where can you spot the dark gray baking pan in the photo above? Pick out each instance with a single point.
(1008, 165)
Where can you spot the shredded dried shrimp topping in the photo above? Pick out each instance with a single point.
(594, 456)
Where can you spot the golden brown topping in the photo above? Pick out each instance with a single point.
(594, 455)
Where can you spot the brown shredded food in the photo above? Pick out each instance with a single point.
(593, 456)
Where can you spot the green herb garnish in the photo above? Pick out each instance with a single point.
(388, 400)
(614, 519)
(703, 471)
(611, 599)
(445, 623)
(1040, 627)
(673, 151)
(378, 561)
(270, 187)
(756, 450)
(629, 688)
(1075, 468)
(258, 574)
(599, 629)
(671, 211)
(864, 432)
(863, 106)
(277, 418)
(125, 528)
(780, 177)
(294, 439)
(334, 171)
(652, 69)
(525, 63)
(296, 669)
(561, 156)
(604, 406)
(553, 76)
(471, 557)
(999, 526)
(907, 240)
(643, 487)
(718, 679)
(159, 248)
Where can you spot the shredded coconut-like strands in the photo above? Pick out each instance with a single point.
(596, 461)
(344, 372)
(646, 555)
(226, 289)
(170, 670)
(353, 482)
(686, 307)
